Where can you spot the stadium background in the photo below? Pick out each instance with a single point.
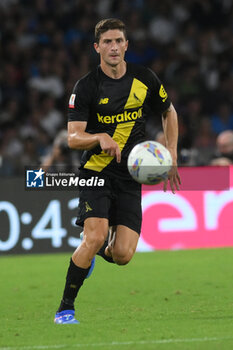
(46, 46)
(179, 299)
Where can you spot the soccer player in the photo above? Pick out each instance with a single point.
(107, 115)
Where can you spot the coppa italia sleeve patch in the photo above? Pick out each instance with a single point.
(72, 100)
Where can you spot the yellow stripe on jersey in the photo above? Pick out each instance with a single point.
(98, 162)
(136, 98)
(137, 94)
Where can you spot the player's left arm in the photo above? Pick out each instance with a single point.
(170, 128)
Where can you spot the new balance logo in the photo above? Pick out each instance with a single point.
(103, 101)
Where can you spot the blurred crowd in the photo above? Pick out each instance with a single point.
(47, 45)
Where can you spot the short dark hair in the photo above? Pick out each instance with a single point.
(108, 24)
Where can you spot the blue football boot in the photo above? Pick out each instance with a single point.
(65, 317)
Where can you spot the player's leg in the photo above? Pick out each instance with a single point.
(101, 252)
(92, 261)
(127, 215)
(94, 235)
(124, 245)
(104, 252)
(95, 232)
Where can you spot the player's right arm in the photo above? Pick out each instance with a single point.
(78, 138)
(78, 116)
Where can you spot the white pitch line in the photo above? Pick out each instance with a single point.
(114, 343)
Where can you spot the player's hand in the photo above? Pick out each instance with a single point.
(174, 179)
(109, 146)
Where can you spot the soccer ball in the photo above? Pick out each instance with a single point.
(149, 163)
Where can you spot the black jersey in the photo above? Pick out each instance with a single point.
(118, 107)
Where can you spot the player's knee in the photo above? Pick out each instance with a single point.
(95, 240)
(122, 257)
(121, 260)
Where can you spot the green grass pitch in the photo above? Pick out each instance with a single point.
(161, 300)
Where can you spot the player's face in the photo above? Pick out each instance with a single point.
(112, 47)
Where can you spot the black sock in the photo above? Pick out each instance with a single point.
(74, 280)
(101, 253)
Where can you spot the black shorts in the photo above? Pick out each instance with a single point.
(118, 200)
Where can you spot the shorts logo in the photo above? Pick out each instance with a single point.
(162, 93)
(35, 178)
(88, 208)
(103, 101)
(72, 100)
